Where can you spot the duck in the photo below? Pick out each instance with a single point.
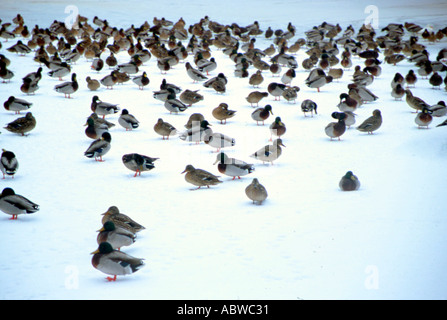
(5, 73)
(69, 87)
(275, 69)
(200, 178)
(398, 92)
(233, 167)
(109, 80)
(195, 74)
(364, 93)
(165, 129)
(439, 109)
(8, 163)
(19, 48)
(256, 192)
(121, 77)
(415, 102)
(194, 120)
(269, 153)
(291, 93)
(141, 81)
(117, 237)
(424, 118)
(411, 79)
(29, 87)
(138, 162)
(114, 262)
(347, 103)
(130, 68)
(17, 105)
(336, 129)
(97, 64)
(277, 128)
(22, 125)
(435, 80)
(372, 123)
(219, 78)
(92, 84)
(190, 97)
(262, 114)
(128, 121)
(121, 220)
(15, 204)
(102, 108)
(256, 79)
(100, 122)
(94, 129)
(309, 106)
(222, 113)
(172, 104)
(276, 89)
(197, 132)
(61, 70)
(35, 76)
(208, 66)
(350, 118)
(317, 78)
(255, 97)
(111, 60)
(349, 182)
(218, 140)
(99, 147)
(335, 73)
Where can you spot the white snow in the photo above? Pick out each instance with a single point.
(309, 240)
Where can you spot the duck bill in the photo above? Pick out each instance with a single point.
(95, 252)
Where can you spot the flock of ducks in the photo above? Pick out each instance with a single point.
(330, 50)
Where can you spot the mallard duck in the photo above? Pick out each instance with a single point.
(200, 177)
(194, 120)
(275, 69)
(69, 87)
(335, 73)
(364, 93)
(256, 192)
(22, 125)
(97, 64)
(336, 129)
(195, 74)
(5, 73)
(347, 103)
(29, 87)
(60, 71)
(398, 92)
(128, 121)
(222, 113)
(111, 60)
(117, 237)
(165, 85)
(309, 106)
(8, 163)
(142, 80)
(17, 105)
(439, 109)
(397, 79)
(411, 79)
(277, 128)
(233, 167)
(197, 132)
(130, 68)
(109, 80)
(121, 220)
(276, 89)
(435, 80)
(255, 97)
(100, 122)
(92, 84)
(207, 66)
(256, 79)
(138, 163)
(219, 78)
(114, 262)
(288, 76)
(270, 152)
(35, 76)
(190, 97)
(102, 108)
(19, 48)
(94, 129)
(372, 123)
(317, 78)
(218, 140)
(15, 204)
(172, 104)
(262, 114)
(349, 182)
(415, 102)
(424, 118)
(165, 129)
(99, 147)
